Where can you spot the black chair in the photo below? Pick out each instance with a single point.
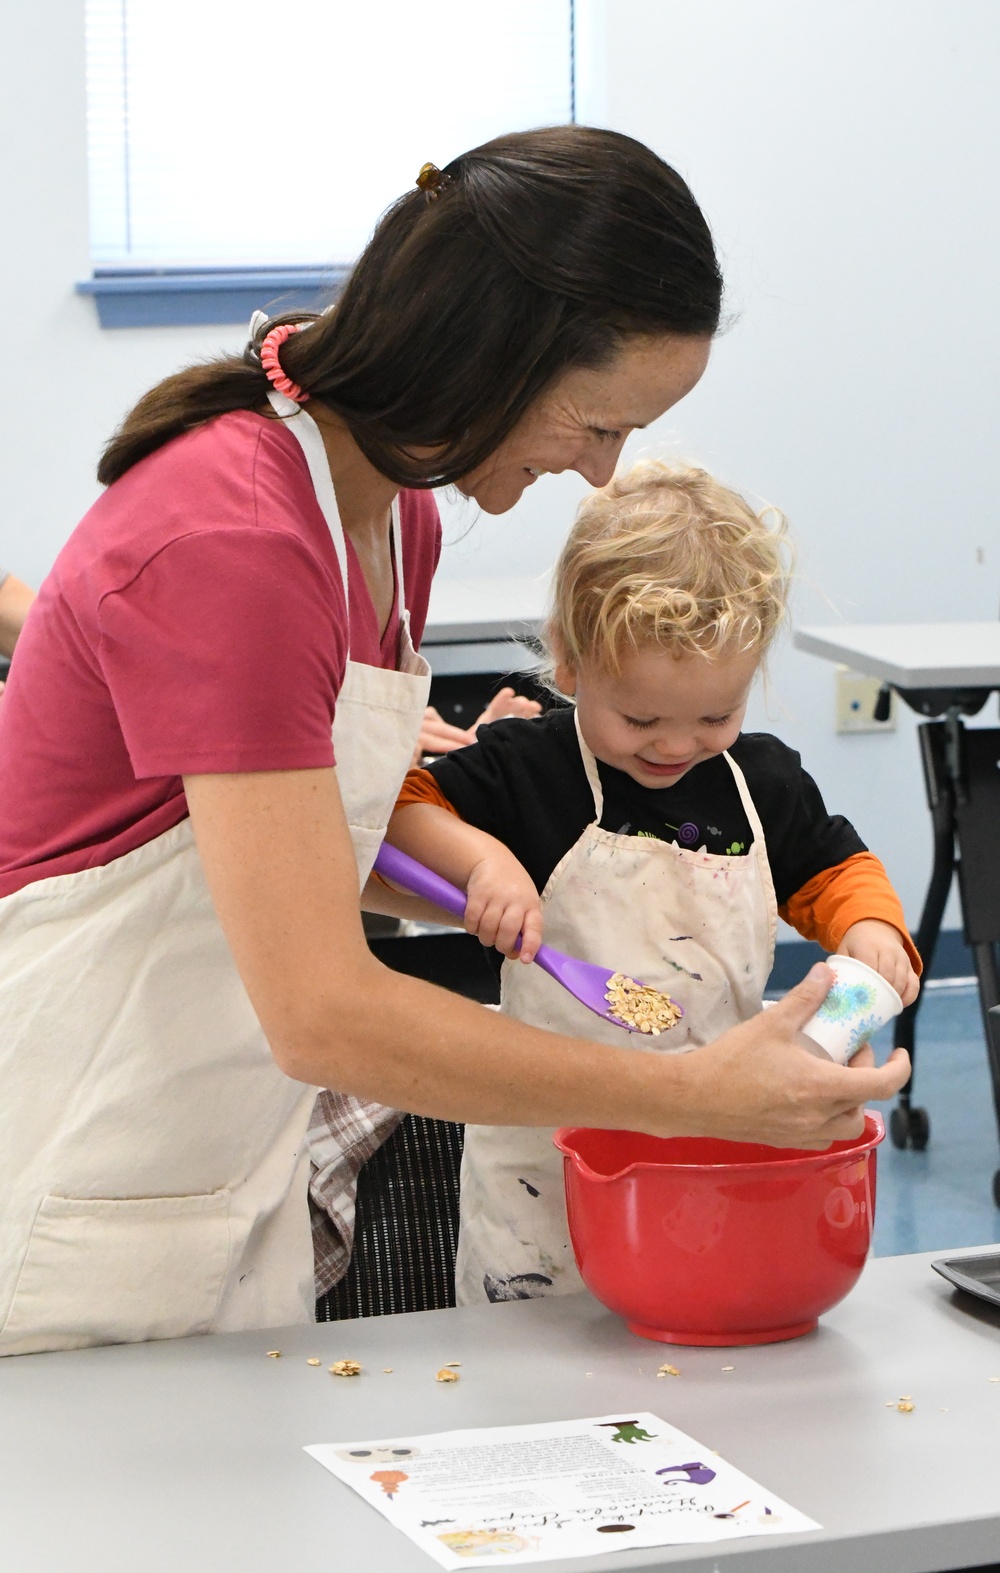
(406, 1223)
(406, 1226)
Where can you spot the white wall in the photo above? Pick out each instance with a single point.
(845, 155)
(64, 383)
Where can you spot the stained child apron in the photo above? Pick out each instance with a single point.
(153, 1167)
(697, 925)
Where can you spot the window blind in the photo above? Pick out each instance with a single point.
(237, 133)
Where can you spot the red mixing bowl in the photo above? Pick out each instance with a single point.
(698, 1241)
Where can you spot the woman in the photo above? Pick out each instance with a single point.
(181, 847)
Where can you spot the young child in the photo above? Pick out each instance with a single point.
(663, 843)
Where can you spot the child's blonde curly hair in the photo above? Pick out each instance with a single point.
(666, 555)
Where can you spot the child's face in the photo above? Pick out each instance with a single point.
(662, 714)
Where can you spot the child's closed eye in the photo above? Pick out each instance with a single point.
(640, 726)
(716, 720)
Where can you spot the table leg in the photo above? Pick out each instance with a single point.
(988, 976)
(993, 1040)
(908, 1126)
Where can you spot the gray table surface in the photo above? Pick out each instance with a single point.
(187, 1455)
(476, 610)
(913, 655)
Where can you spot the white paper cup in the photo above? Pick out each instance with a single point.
(860, 1002)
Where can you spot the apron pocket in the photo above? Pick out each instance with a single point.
(110, 1272)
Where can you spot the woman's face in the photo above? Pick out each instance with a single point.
(584, 418)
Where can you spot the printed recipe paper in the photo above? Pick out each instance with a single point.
(572, 1488)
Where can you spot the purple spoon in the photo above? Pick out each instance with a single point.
(585, 981)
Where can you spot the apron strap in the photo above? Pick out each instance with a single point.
(302, 426)
(590, 766)
(749, 807)
(310, 440)
(397, 551)
(759, 852)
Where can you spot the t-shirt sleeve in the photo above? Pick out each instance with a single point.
(481, 783)
(225, 654)
(827, 905)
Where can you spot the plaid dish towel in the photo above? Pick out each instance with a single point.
(344, 1133)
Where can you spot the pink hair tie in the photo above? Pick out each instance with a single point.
(271, 364)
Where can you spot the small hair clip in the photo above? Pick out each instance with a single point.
(251, 352)
(432, 181)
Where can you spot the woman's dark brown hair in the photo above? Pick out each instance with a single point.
(540, 251)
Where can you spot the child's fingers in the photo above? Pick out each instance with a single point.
(531, 932)
(488, 929)
(908, 984)
(510, 926)
(474, 906)
(894, 965)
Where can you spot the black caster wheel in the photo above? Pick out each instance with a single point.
(996, 1188)
(909, 1128)
(920, 1129)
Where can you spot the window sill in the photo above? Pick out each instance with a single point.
(186, 297)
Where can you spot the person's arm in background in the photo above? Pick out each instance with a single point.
(279, 863)
(438, 736)
(15, 602)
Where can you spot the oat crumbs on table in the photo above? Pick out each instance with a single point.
(345, 1368)
(668, 1370)
(446, 1375)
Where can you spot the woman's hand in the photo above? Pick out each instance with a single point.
(880, 946)
(757, 1083)
(503, 903)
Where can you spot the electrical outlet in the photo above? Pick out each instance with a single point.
(856, 698)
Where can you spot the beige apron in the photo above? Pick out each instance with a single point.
(153, 1167)
(700, 926)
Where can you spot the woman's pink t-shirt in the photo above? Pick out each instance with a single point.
(194, 623)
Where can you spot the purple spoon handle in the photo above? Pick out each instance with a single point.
(585, 981)
(422, 881)
(418, 880)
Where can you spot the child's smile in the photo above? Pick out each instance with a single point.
(662, 714)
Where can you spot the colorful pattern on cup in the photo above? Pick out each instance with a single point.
(854, 1006)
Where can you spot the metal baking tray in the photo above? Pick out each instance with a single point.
(978, 1275)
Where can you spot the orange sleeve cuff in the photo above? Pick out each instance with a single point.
(858, 888)
(421, 787)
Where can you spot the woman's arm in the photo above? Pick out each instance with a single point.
(279, 863)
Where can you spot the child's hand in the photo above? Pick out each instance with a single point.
(880, 947)
(503, 903)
